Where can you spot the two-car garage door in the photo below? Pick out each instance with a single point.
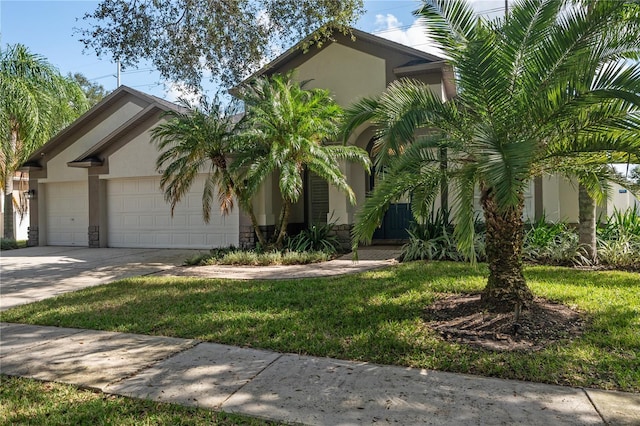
(138, 216)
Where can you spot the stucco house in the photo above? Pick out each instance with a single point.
(353, 69)
(96, 183)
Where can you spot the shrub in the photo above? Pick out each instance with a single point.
(247, 257)
(552, 243)
(316, 238)
(205, 259)
(621, 223)
(623, 252)
(8, 244)
(303, 258)
(619, 239)
(233, 256)
(433, 240)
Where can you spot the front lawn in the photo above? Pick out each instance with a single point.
(376, 316)
(30, 402)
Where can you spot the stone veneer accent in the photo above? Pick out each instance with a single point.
(33, 236)
(94, 236)
(247, 238)
(343, 234)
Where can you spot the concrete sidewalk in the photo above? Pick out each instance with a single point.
(294, 388)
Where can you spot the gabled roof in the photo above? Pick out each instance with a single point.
(154, 105)
(361, 37)
(415, 61)
(91, 157)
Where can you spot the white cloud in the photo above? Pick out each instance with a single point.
(389, 27)
(175, 91)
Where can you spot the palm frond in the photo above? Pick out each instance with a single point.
(449, 22)
(465, 183)
(358, 114)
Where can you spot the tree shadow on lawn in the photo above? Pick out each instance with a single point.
(260, 311)
(375, 316)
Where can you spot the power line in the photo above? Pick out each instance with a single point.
(136, 71)
(149, 86)
(101, 77)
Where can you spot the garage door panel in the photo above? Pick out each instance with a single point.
(67, 211)
(146, 204)
(138, 216)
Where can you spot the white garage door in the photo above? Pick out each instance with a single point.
(138, 216)
(67, 210)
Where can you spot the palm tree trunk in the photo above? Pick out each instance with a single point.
(444, 185)
(587, 225)
(506, 287)
(8, 209)
(9, 232)
(256, 227)
(247, 206)
(284, 221)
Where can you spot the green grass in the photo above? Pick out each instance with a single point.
(30, 402)
(375, 316)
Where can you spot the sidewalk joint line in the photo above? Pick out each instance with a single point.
(153, 363)
(219, 406)
(594, 406)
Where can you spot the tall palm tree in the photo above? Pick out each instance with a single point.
(36, 101)
(285, 131)
(521, 80)
(196, 140)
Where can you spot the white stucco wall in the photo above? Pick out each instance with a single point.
(569, 208)
(620, 199)
(560, 199)
(551, 198)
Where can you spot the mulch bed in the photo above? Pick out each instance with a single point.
(463, 319)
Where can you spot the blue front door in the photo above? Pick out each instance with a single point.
(396, 220)
(395, 223)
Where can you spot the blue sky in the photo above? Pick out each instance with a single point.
(47, 27)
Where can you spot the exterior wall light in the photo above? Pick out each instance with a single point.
(30, 194)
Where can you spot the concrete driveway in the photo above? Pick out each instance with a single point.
(36, 273)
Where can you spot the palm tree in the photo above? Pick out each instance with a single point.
(192, 141)
(36, 101)
(285, 131)
(521, 81)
